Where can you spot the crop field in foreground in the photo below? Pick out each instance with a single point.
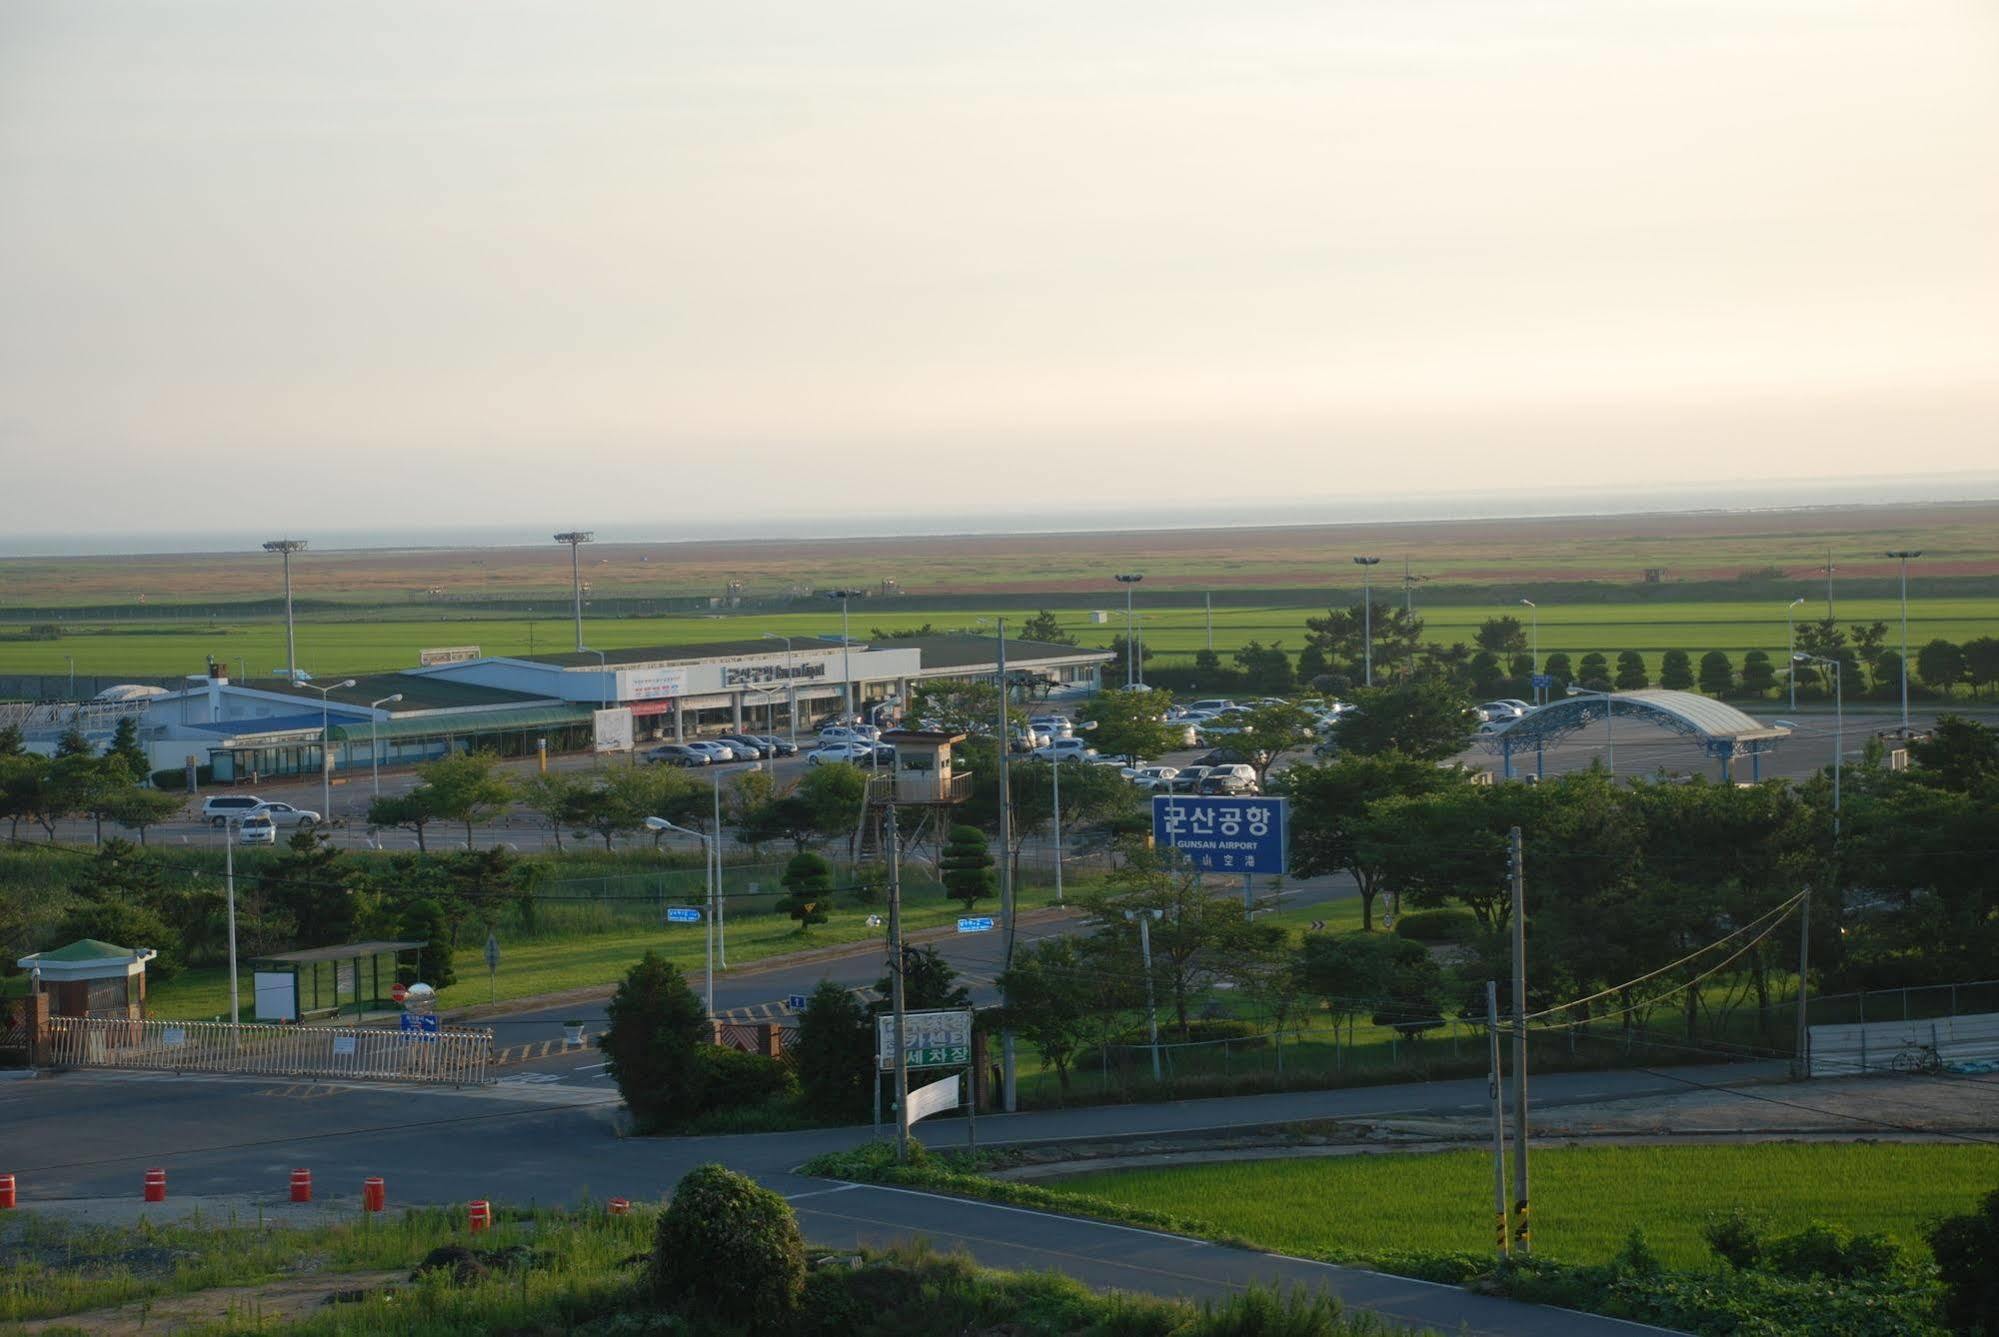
(1585, 1200)
(329, 647)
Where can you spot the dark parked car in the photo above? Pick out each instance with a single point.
(1224, 756)
(773, 745)
(1188, 781)
(746, 747)
(677, 754)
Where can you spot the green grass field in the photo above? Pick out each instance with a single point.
(1586, 1200)
(327, 647)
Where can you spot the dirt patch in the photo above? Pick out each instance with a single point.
(270, 1304)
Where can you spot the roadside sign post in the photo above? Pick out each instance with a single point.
(1224, 834)
(682, 914)
(492, 968)
(796, 1002)
(976, 924)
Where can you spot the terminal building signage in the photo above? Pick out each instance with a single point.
(744, 675)
(446, 654)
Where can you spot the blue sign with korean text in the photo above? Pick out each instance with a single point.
(1222, 834)
(406, 1021)
(682, 914)
(1544, 680)
(980, 924)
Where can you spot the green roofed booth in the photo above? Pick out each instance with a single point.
(89, 978)
(321, 981)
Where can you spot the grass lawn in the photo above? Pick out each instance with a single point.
(569, 959)
(1586, 1200)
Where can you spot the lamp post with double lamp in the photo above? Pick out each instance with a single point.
(285, 548)
(1367, 565)
(1133, 674)
(576, 538)
(1791, 650)
(846, 655)
(1834, 667)
(374, 748)
(1609, 733)
(1903, 556)
(232, 827)
(708, 917)
(1534, 644)
(326, 748)
(1145, 920)
(790, 684)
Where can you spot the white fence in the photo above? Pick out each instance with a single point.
(453, 1057)
(1941, 1044)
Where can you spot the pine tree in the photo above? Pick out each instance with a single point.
(808, 886)
(1757, 674)
(1631, 671)
(1676, 671)
(1718, 675)
(967, 866)
(652, 1043)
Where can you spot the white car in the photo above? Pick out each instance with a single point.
(257, 829)
(715, 751)
(1054, 726)
(284, 814)
(1066, 749)
(218, 809)
(852, 753)
(1500, 712)
(1214, 704)
(834, 734)
(1150, 778)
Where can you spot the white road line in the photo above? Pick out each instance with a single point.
(817, 1192)
(1048, 1216)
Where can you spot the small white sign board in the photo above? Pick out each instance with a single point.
(935, 1098)
(275, 996)
(343, 1044)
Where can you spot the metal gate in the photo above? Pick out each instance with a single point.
(448, 1057)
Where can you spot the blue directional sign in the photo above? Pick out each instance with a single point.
(427, 1024)
(1543, 680)
(407, 1021)
(796, 1002)
(682, 914)
(978, 924)
(1222, 834)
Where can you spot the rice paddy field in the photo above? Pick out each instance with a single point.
(326, 647)
(1586, 1200)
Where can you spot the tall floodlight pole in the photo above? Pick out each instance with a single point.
(846, 651)
(1791, 651)
(1534, 644)
(1409, 584)
(576, 538)
(374, 747)
(1367, 565)
(1132, 676)
(285, 548)
(790, 684)
(1828, 584)
(1903, 556)
(326, 749)
(1834, 667)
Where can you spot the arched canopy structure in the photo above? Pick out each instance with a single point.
(1719, 730)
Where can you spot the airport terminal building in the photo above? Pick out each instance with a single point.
(459, 700)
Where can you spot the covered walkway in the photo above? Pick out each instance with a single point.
(1718, 729)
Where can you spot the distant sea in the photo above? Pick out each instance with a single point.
(1497, 504)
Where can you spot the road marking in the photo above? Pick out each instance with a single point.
(819, 1192)
(1030, 1211)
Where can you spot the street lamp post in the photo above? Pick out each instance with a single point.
(1133, 675)
(231, 827)
(1003, 742)
(576, 538)
(708, 918)
(1534, 645)
(374, 748)
(1145, 919)
(846, 653)
(1834, 667)
(1903, 556)
(603, 669)
(326, 749)
(1367, 565)
(1791, 652)
(285, 548)
(790, 684)
(1609, 733)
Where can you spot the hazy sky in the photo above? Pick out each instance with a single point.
(587, 261)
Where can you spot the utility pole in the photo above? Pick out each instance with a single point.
(1009, 1092)
(715, 877)
(229, 830)
(1903, 557)
(1502, 1237)
(1130, 579)
(897, 962)
(1209, 600)
(1145, 918)
(1367, 565)
(1055, 771)
(1801, 1064)
(1522, 1234)
(1828, 584)
(576, 538)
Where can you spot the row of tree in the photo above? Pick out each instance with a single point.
(79, 782)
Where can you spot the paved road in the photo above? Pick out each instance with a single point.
(87, 1137)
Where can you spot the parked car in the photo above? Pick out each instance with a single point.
(1053, 726)
(843, 733)
(257, 829)
(284, 814)
(1222, 756)
(880, 754)
(857, 754)
(678, 754)
(746, 749)
(1153, 779)
(1500, 712)
(1186, 781)
(1229, 780)
(219, 808)
(1066, 749)
(1214, 704)
(715, 751)
(775, 746)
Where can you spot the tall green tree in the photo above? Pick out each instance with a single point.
(1046, 628)
(127, 751)
(1557, 667)
(1758, 677)
(808, 888)
(1958, 754)
(1676, 671)
(1193, 940)
(1631, 675)
(1940, 664)
(835, 1052)
(1049, 998)
(1501, 635)
(1328, 803)
(929, 983)
(423, 921)
(1425, 720)
(1593, 672)
(413, 811)
(653, 1044)
(313, 882)
(1265, 668)
(1349, 973)
(1271, 732)
(1717, 674)
(466, 787)
(1981, 663)
(967, 866)
(1132, 724)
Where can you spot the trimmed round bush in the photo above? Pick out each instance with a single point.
(728, 1247)
(1437, 926)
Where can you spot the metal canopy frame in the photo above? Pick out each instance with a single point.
(1704, 721)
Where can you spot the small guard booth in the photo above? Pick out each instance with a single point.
(324, 981)
(89, 978)
(923, 773)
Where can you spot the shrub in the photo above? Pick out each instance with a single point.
(1734, 1239)
(1438, 926)
(733, 1078)
(1965, 1247)
(1820, 1250)
(175, 780)
(835, 1053)
(730, 1248)
(656, 1024)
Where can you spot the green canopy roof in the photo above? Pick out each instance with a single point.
(457, 724)
(86, 949)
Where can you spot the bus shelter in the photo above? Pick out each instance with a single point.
(324, 981)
